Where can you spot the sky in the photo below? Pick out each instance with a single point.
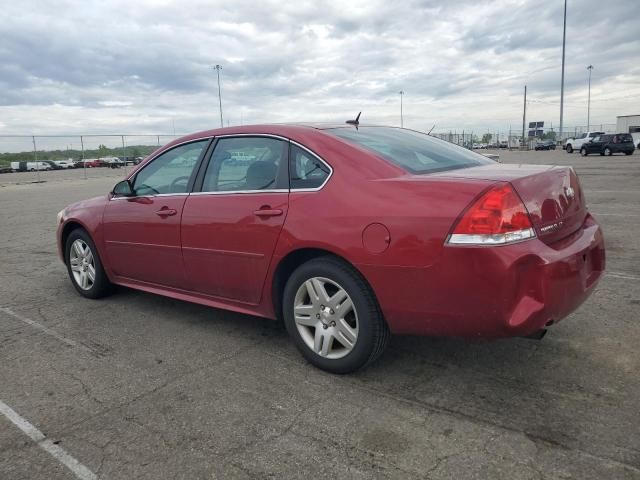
(70, 67)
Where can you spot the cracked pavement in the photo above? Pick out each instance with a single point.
(157, 388)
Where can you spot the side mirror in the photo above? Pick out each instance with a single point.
(123, 189)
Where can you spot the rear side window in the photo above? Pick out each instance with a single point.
(624, 138)
(305, 169)
(243, 164)
(413, 151)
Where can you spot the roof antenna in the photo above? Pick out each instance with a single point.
(355, 122)
(434, 126)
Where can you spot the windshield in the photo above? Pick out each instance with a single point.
(413, 151)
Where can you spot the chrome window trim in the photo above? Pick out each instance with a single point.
(150, 196)
(236, 192)
(145, 164)
(242, 192)
(279, 137)
(316, 189)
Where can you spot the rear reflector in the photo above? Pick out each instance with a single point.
(496, 218)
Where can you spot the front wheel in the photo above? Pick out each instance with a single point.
(333, 317)
(569, 149)
(628, 153)
(608, 152)
(583, 152)
(84, 266)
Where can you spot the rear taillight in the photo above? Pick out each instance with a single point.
(496, 218)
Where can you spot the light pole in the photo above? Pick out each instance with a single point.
(401, 114)
(590, 67)
(564, 38)
(218, 68)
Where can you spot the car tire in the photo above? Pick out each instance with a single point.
(81, 257)
(569, 149)
(583, 152)
(628, 153)
(608, 152)
(335, 341)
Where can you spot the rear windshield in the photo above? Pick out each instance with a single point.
(623, 137)
(413, 151)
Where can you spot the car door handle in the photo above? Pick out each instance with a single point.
(268, 212)
(166, 212)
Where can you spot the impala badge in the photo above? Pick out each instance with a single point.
(569, 192)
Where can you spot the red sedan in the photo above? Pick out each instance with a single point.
(347, 233)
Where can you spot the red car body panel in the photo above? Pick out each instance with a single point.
(390, 225)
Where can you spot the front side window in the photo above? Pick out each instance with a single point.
(245, 164)
(305, 169)
(169, 172)
(414, 152)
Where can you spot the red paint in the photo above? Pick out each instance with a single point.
(223, 250)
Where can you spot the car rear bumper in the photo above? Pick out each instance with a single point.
(511, 290)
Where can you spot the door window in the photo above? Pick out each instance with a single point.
(305, 169)
(170, 172)
(241, 164)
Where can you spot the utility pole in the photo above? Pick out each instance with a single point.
(401, 113)
(218, 68)
(590, 67)
(564, 38)
(524, 113)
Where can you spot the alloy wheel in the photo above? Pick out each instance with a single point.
(326, 318)
(83, 266)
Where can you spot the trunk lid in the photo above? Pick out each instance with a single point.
(552, 195)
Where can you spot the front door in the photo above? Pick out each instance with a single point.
(231, 226)
(142, 232)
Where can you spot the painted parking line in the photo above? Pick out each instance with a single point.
(625, 276)
(57, 452)
(600, 214)
(46, 330)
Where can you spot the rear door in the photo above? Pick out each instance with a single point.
(142, 232)
(231, 225)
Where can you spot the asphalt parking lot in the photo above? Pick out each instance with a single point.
(140, 386)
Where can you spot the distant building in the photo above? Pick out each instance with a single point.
(629, 124)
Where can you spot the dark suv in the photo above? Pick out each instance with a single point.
(609, 144)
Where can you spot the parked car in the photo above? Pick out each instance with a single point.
(504, 144)
(5, 169)
(348, 234)
(112, 162)
(29, 166)
(545, 145)
(53, 165)
(575, 144)
(65, 163)
(609, 144)
(91, 163)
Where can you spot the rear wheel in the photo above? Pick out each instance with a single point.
(583, 152)
(569, 149)
(628, 153)
(84, 266)
(333, 316)
(608, 152)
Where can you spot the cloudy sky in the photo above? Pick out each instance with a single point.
(146, 66)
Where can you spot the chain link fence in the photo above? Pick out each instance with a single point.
(40, 153)
(513, 139)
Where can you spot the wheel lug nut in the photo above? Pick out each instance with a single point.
(331, 312)
(317, 315)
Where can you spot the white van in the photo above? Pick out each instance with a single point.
(29, 166)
